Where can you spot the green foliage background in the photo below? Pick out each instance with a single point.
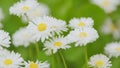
(64, 9)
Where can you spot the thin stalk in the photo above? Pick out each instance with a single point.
(30, 53)
(37, 50)
(53, 61)
(86, 57)
(63, 59)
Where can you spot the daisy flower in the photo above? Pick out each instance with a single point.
(113, 49)
(100, 61)
(83, 36)
(58, 26)
(11, 60)
(109, 28)
(4, 39)
(55, 44)
(36, 64)
(43, 27)
(108, 5)
(22, 7)
(23, 37)
(81, 22)
(40, 10)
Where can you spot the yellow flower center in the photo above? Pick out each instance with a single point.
(83, 35)
(113, 27)
(81, 24)
(117, 48)
(33, 65)
(26, 8)
(105, 3)
(8, 62)
(57, 43)
(99, 63)
(42, 27)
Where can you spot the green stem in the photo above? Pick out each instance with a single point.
(53, 61)
(86, 57)
(30, 53)
(37, 50)
(63, 59)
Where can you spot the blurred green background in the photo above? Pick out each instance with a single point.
(66, 10)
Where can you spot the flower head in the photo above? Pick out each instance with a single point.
(100, 61)
(11, 60)
(36, 64)
(83, 36)
(23, 37)
(4, 39)
(44, 27)
(82, 22)
(108, 5)
(22, 7)
(111, 28)
(113, 49)
(56, 44)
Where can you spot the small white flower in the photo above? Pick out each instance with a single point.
(81, 22)
(41, 27)
(4, 39)
(56, 44)
(83, 36)
(108, 5)
(1, 14)
(36, 64)
(45, 26)
(100, 61)
(58, 26)
(40, 10)
(22, 7)
(10, 60)
(23, 37)
(113, 49)
(110, 28)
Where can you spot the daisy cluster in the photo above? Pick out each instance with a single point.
(50, 32)
(29, 9)
(109, 27)
(10, 59)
